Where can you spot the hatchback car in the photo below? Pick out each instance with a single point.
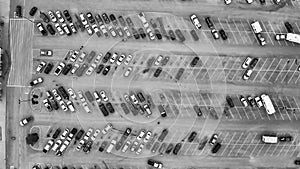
(194, 61)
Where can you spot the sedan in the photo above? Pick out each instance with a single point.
(83, 20)
(67, 15)
(258, 102)
(36, 81)
(42, 29)
(194, 61)
(247, 74)
(227, 2)
(46, 52)
(195, 21)
(244, 101)
(155, 164)
(50, 29)
(59, 29)
(247, 62)
(177, 148)
(104, 96)
(120, 59)
(48, 68)
(213, 139)
(32, 11)
(40, 67)
(215, 34)
(52, 16)
(128, 71)
(26, 120)
(106, 70)
(223, 34)
(280, 36)
(128, 59)
(192, 136)
(251, 101)
(60, 17)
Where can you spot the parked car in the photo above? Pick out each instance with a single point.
(163, 135)
(258, 102)
(44, 17)
(223, 34)
(33, 11)
(215, 33)
(192, 136)
(155, 164)
(196, 22)
(48, 68)
(41, 67)
(90, 18)
(180, 35)
(36, 81)
(59, 29)
(26, 120)
(253, 63)
(209, 23)
(50, 29)
(216, 148)
(289, 27)
(247, 62)
(19, 12)
(59, 16)
(128, 71)
(142, 33)
(244, 101)
(67, 16)
(194, 61)
(285, 138)
(229, 101)
(105, 18)
(177, 148)
(42, 29)
(59, 68)
(67, 69)
(52, 16)
(247, 74)
(213, 139)
(172, 34)
(67, 29)
(194, 35)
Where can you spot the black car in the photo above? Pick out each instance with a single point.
(129, 21)
(74, 131)
(89, 96)
(179, 73)
(180, 35)
(229, 101)
(105, 18)
(99, 68)
(56, 133)
(157, 72)
(113, 19)
(62, 91)
(216, 148)
(141, 97)
(54, 104)
(67, 69)
(81, 69)
(50, 29)
(106, 70)
(19, 13)
(177, 148)
(90, 17)
(192, 136)
(87, 147)
(169, 148)
(48, 68)
(289, 27)
(163, 135)
(106, 57)
(158, 34)
(194, 61)
(165, 60)
(103, 109)
(162, 110)
(67, 16)
(223, 34)
(297, 162)
(79, 134)
(209, 23)
(33, 11)
(135, 33)
(103, 145)
(110, 107)
(142, 33)
(194, 35)
(197, 110)
(172, 35)
(122, 21)
(263, 2)
(285, 138)
(44, 17)
(253, 63)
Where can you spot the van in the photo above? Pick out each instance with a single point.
(271, 139)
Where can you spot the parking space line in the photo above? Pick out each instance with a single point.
(267, 31)
(292, 76)
(253, 32)
(232, 33)
(297, 80)
(273, 71)
(239, 32)
(229, 40)
(245, 30)
(263, 145)
(228, 143)
(242, 144)
(203, 65)
(189, 102)
(297, 26)
(235, 143)
(179, 107)
(280, 33)
(251, 142)
(285, 31)
(261, 69)
(282, 71)
(266, 152)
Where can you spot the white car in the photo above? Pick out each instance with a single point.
(96, 133)
(126, 146)
(128, 59)
(112, 31)
(70, 106)
(249, 1)
(95, 28)
(40, 67)
(258, 102)
(247, 62)
(147, 137)
(83, 20)
(97, 97)
(111, 146)
(148, 110)
(126, 30)
(74, 56)
(56, 145)
(106, 129)
(215, 33)
(247, 74)
(56, 95)
(142, 17)
(244, 101)
(227, 2)
(120, 59)
(64, 134)
(36, 81)
(59, 68)
(103, 95)
(26, 120)
(66, 29)
(48, 146)
(104, 30)
(72, 93)
(60, 17)
(59, 29)
(195, 21)
(128, 71)
(158, 60)
(141, 135)
(46, 52)
(81, 97)
(86, 107)
(213, 139)
(98, 58)
(150, 33)
(75, 68)
(73, 28)
(52, 16)
(91, 69)
(139, 150)
(63, 106)
(280, 36)
(89, 29)
(134, 99)
(47, 105)
(81, 56)
(113, 58)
